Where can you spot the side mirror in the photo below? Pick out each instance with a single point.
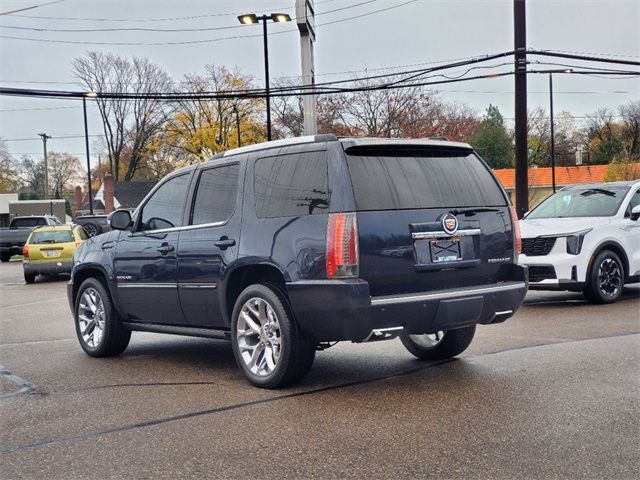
(635, 213)
(119, 220)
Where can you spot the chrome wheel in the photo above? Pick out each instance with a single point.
(609, 277)
(91, 317)
(259, 336)
(428, 340)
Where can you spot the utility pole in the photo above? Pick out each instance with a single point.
(45, 137)
(553, 142)
(521, 150)
(305, 18)
(235, 110)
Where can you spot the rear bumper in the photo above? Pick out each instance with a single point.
(47, 268)
(333, 310)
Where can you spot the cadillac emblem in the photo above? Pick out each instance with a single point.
(449, 224)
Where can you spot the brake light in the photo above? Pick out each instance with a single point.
(78, 244)
(517, 238)
(25, 251)
(342, 245)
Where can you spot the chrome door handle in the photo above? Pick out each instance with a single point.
(165, 248)
(224, 243)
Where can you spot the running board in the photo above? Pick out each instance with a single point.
(179, 330)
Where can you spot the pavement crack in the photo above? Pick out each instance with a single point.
(25, 386)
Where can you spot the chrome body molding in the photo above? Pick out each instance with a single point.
(443, 234)
(423, 297)
(147, 285)
(198, 286)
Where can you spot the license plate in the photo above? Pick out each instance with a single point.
(445, 250)
(52, 253)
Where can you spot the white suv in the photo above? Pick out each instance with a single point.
(584, 238)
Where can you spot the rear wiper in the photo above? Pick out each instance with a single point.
(472, 211)
(598, 190)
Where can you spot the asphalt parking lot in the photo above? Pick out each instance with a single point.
(552, 393)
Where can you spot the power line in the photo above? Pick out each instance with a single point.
(212, 40)
(170, 19)
(161, 30)
(30, 8)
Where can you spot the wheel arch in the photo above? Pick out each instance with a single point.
(616, 248)
(244, 275)
(92, 271)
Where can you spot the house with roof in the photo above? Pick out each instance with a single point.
(112, 195)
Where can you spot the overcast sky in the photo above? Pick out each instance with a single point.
(412, 33)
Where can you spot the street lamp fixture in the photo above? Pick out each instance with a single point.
(250, 19)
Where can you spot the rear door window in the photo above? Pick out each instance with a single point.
(216, 195)
(58, 236)
(291, 185)
(395, 179)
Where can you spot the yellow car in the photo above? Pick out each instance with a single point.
(49, 250)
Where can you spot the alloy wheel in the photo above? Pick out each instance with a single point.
(428, 340)
(610, 277)
(259, 336)
(90, 229)
(91, 317)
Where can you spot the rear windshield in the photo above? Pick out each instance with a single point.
(28, 222)
(390, 180)
(593, 201)
(58, 236)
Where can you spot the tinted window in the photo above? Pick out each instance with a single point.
(581, 202)
(82, 233)
(635, 201)
(389, 180)
(291, 185)
(165, 208)
(216, 195)
(29, 222)
(58, 236)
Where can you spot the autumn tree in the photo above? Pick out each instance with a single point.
(64, 170)
(129, 125)
(9, 181)
(202, 127)
(492, 140)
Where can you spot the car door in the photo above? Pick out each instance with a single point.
(632, 228)
(146, 257)
(209, 244)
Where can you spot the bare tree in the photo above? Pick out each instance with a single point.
(63, 170)
(288, 112)
(129, 125)
(9, 181)
(631, 129)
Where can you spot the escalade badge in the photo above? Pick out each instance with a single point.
(449, 224)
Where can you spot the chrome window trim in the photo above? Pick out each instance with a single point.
(147, 285)
(443, 234)
(178, 229)
(449, 294)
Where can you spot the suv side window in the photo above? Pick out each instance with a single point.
(291, 185)
(635, 200)
(216, 195)
(166, 206)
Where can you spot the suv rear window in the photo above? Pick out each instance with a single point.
(28, 222)
(392, 179)
(291, 185)
(57, 236)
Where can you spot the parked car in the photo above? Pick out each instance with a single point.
(93, 224)
(12, 238)
(585, 238)
(285, 246)
(49, 250)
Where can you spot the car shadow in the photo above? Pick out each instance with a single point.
(562, 299)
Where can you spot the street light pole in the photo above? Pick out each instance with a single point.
(252, 18)
(45, 137)
(86, 144)
(266, 74)
(553, 143)
(235, 110)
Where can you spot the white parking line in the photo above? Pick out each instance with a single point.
(33, 303)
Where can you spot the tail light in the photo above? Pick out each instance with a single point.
(78, 244)
(517, 238)
(25, 251)
(342, 245)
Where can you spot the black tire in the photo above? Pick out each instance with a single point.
(5, 257)
(115, 336)
(29, 277)
(296, 350)
(605, 279)
(452, 343)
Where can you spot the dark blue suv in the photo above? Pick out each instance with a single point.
(286, 246)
